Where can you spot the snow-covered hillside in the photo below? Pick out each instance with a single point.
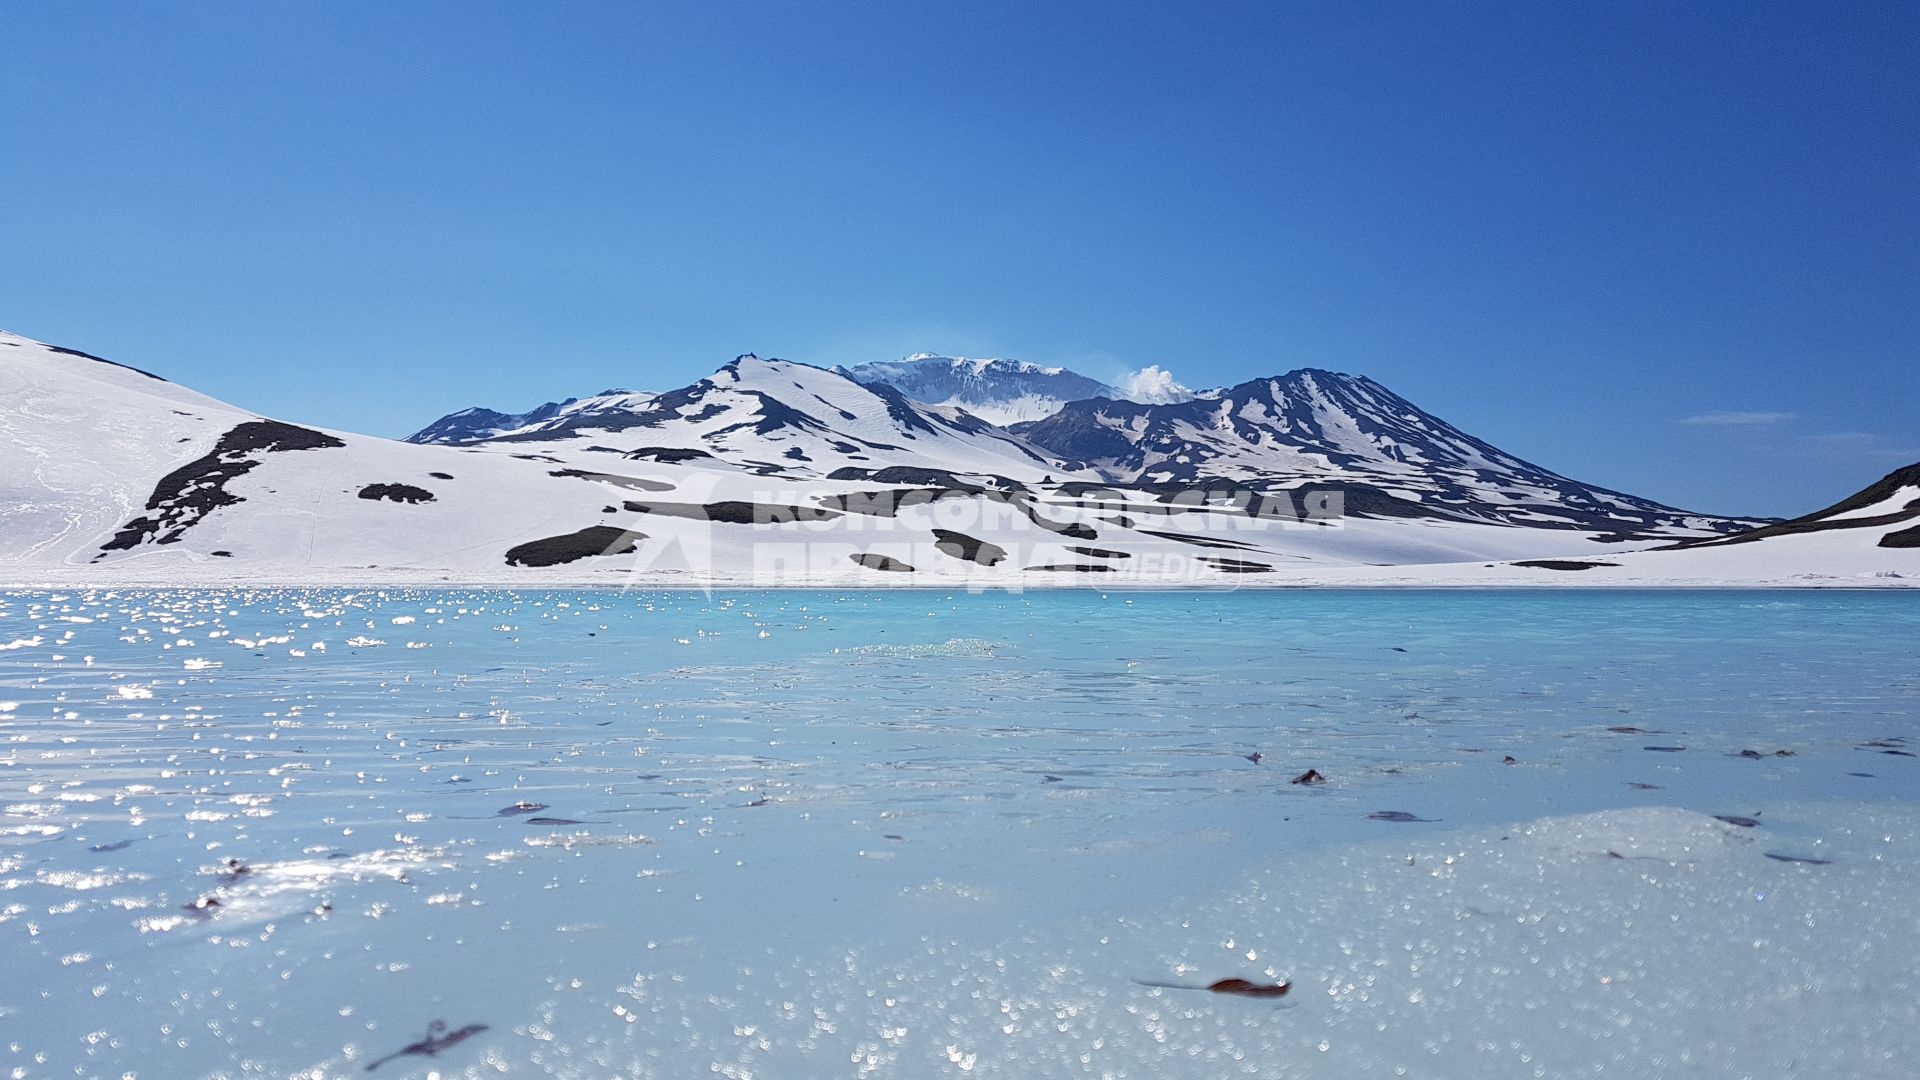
(82, 441)
(770, 473)
(1868, 540)
(1886, 514)
(118, 472)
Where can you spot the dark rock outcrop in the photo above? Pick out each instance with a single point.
(573, 546)
(400, 493)
(189, 493)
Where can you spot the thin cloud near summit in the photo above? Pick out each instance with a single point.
(1870, 443)
(1733, 418)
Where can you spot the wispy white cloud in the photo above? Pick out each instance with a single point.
(1153, 385)
(1861, 443)
(1730, 418)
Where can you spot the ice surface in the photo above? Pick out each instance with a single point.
(913, 834)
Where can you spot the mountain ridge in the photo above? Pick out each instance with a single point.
(1306, 425)
(1314, 424)
(117, 475)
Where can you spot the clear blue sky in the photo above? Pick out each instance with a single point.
(1566, 227)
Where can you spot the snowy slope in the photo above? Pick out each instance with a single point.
(1886, 513)
(116, 471)
(1849, 559)
(82, 441)
(1869, 540)
(1313, 425)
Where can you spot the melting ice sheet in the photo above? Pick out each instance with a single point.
(913, 834)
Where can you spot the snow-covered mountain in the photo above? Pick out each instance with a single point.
(779, 417)
(477, 424)
(1000, 391)
(777, 473)
(1320, 426)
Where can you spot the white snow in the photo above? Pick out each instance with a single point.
(84, 443)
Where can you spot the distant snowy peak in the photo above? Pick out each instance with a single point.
(998, 390)
(1314, 425)
(1307, 418)
(780, 417)
(478, 424)
(984, 365)
(470, 425)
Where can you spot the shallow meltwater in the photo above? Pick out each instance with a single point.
(794, 834)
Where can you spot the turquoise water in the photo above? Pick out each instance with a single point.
(676, 834)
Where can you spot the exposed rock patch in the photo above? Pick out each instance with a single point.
(881, 562)
(1905, 538)
(910, 474)
(189, 493)
(103, 360)
(735, 513)
(400, 493)
(573, 546)
(631, 483)
(968, 548)
(1236, 566)
(668, 455)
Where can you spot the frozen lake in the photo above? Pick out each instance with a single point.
(914, 834)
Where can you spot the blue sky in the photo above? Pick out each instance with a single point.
(1568, 228)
